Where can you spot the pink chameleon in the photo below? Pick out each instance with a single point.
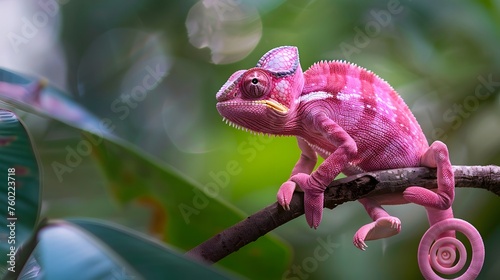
(349, 116)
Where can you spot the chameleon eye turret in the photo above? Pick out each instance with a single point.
(255, 84)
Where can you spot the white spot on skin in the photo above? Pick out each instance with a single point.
(317, 95)
(347, 96)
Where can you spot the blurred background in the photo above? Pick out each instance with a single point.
(153, 68)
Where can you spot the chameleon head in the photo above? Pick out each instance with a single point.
(261, 98)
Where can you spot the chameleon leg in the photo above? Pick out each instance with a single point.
(314, 184)
(435, 157)
(305, 164)
(383, 225)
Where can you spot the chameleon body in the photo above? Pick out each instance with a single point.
(349, 116)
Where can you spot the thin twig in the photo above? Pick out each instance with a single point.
(343, 190)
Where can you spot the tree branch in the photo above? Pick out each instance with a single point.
(343, 190)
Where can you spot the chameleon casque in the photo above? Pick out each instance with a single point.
(349, 116)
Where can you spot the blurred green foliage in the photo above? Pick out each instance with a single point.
(442, 57)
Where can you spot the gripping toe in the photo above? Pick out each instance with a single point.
(313, 208)
(285, 194)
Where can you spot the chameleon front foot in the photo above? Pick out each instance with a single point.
(381, 228)
(313, 198)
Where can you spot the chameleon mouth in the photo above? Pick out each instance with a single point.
(273, 105)
(247, 119)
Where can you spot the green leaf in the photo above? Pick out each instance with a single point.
(36, 96)
(149, 258)
(184, 214)
(20, 191)
(64, 252)
(85, 249)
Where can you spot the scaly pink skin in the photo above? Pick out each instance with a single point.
(349, 116)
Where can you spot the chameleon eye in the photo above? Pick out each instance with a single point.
(255, 83)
